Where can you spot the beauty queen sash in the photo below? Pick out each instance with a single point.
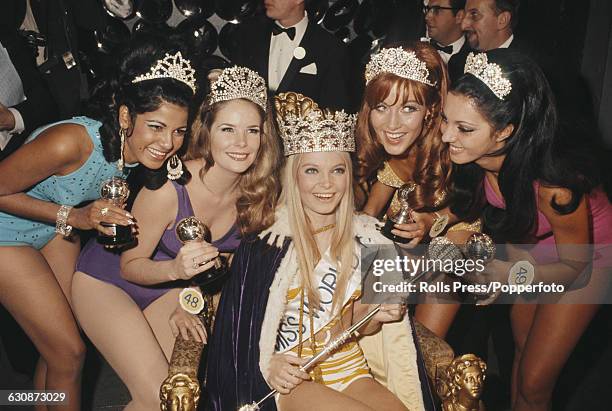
(326, 277)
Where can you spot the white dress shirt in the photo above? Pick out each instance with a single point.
(11, 93)
(507, 43)
(281, 52)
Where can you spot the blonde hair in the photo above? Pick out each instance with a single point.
(342, 246)
(259, 185)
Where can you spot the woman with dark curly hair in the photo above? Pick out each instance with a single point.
(398, 142)
(129, 305)
(138, 116)
(512, 166)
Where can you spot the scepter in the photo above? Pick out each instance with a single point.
(330, 347)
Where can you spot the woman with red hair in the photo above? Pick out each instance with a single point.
(399, 142)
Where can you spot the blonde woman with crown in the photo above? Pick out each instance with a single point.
(128, 304)
(399, 142)
(130, 121)
(267, 326)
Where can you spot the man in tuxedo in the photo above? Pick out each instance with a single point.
(295, 54)
(19, 119)
(443, 20)
(56, 23)
(488, 25)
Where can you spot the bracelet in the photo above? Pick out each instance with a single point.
(61, 226)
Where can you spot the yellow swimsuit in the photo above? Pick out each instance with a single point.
(345, 365)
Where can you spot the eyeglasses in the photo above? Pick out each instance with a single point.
(436, 9)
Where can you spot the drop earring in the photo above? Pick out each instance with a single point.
(174, 167)
(120, 162)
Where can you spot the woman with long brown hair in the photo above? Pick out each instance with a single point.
(399, 142)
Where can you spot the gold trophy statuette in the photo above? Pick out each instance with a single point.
(480, 246)
(403, 216)
(191, 229)
(192, 300)
(116, 191)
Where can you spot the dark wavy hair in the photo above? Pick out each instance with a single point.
(535, 151)
(117, 89)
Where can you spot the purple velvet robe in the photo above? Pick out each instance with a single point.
(233, 377)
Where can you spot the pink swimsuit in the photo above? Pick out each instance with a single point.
(600, 212)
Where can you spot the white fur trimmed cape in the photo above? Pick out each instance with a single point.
(250, 311)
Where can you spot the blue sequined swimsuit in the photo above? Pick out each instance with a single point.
(72, 189)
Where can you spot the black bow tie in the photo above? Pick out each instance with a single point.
(444, 49)
(276, 30)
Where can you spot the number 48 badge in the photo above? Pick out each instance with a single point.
(191, 300)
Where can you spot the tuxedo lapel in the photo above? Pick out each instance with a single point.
(295, 64)
(262, 51)
(16, 13)
(40, 12)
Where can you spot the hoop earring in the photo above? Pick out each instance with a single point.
(174, 167)
(120, 162)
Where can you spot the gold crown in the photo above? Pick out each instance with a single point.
(489, 73)
(239, 82)
(305, 128)
(175, 67)
(400, 62)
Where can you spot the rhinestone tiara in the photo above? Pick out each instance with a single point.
(305, 128)
(239, 82)
(489, 73)
(400, 62)
(175, 67)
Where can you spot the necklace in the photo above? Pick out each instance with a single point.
(323, 229)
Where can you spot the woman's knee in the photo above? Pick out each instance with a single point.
(146, 398)
(66, 358)
(534, 387)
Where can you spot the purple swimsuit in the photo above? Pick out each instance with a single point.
(100, 263)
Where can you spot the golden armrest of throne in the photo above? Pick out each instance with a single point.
(437, 354)
(181, 390)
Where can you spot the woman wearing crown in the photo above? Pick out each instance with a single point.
(133, 119)
(266, 327)
(130, 308)
(500, 123)
(398, 142)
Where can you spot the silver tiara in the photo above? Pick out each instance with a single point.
(239, 82)
(489, 73)
(400, 62)
(305, 128)
(175, 67)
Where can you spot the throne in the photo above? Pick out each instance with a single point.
(181, 390)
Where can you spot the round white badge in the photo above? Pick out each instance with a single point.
(191, 300)
(299, 53)
(521, 273)
(438, 226)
